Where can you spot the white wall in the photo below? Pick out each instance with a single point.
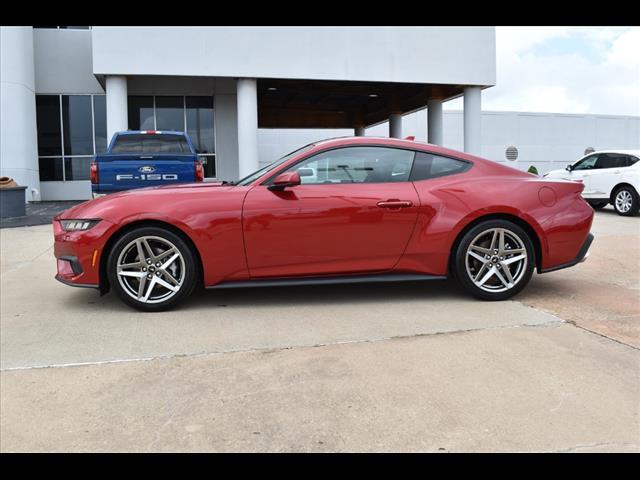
(18, 139)
(546, 140)
(449, 55)
(63, 61)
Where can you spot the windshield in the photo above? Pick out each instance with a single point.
(258, 173)
(146, 143)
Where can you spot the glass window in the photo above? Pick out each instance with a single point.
(77, 168)
(170, 113)
(200, 123)
(77, 125)
(612, 160)
(100, 123)
(48, 125)
(427, 165)
(151, 144)
(586, 163)
(356, 165)
(50, 169)
(140, 113)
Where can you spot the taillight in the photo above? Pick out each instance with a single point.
(199, 171)
(93, 172)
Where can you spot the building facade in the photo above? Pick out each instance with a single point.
(66, 90)
(247, 95)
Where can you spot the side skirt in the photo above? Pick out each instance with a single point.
(291, 281)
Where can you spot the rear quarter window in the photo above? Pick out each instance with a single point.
(145, 143)
(428, 165)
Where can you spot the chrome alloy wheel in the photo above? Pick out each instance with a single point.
(496, 260)
(624, 201)
(151, 269)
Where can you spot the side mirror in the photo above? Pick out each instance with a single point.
(569, 168)
(284, 180)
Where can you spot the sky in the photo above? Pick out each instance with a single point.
(565, 70)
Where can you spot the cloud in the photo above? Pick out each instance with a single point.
(565, 70)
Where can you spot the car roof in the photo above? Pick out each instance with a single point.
(394, 142)
(157, 132)
(626, 152)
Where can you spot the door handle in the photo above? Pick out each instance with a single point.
(395, 204)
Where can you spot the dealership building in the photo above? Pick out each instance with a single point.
(247, 95)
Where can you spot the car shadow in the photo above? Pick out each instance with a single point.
(291, 296)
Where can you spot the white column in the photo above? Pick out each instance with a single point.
(434, 122)
(395, 125)
(117, 119)
(472, 120)
(18, 131)
(247, 126)
(359, 131)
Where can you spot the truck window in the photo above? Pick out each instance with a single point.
(149, 143)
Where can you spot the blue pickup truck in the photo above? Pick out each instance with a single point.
(145, 158)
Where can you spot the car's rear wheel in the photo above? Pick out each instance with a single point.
(626, 202)
(151, 269)
(494, 260)
(598, 205)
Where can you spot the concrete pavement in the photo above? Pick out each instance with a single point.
(399, 367)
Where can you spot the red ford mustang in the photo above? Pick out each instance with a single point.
(357, 209)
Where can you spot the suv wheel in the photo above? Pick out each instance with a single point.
(625, 201)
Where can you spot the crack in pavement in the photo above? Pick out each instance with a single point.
(553, 323)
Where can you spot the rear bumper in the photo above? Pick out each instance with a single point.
(583, 253)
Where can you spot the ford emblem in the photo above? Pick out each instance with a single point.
(147, 169)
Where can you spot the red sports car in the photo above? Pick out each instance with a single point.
(360, 209)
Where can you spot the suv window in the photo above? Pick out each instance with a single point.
(356, 165)
(586, 163)
(612, 160)
(149, 143)
(427, 165)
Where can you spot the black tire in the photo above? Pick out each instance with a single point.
(635, 201)
(524, 267)
(188, 269)
(598, 205)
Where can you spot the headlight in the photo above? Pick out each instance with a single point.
(78, 225)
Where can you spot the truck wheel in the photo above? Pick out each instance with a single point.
(626, 202)
(494, 260)
(151, 269)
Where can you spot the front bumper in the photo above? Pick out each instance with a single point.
(583, 253)
(78, 254)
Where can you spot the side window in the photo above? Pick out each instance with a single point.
(586, 163)
(609, 160)
(356, 165)
(631, 160)
(427, 165)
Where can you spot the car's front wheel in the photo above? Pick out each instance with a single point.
(626, 201)
(151, 269)
(494, 260)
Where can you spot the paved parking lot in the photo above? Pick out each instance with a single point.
(413, 366)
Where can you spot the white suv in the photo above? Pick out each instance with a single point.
(609, 176)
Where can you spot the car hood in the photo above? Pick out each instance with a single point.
(112, 206)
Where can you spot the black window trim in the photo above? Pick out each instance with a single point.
(443, 174)
(396, 147)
